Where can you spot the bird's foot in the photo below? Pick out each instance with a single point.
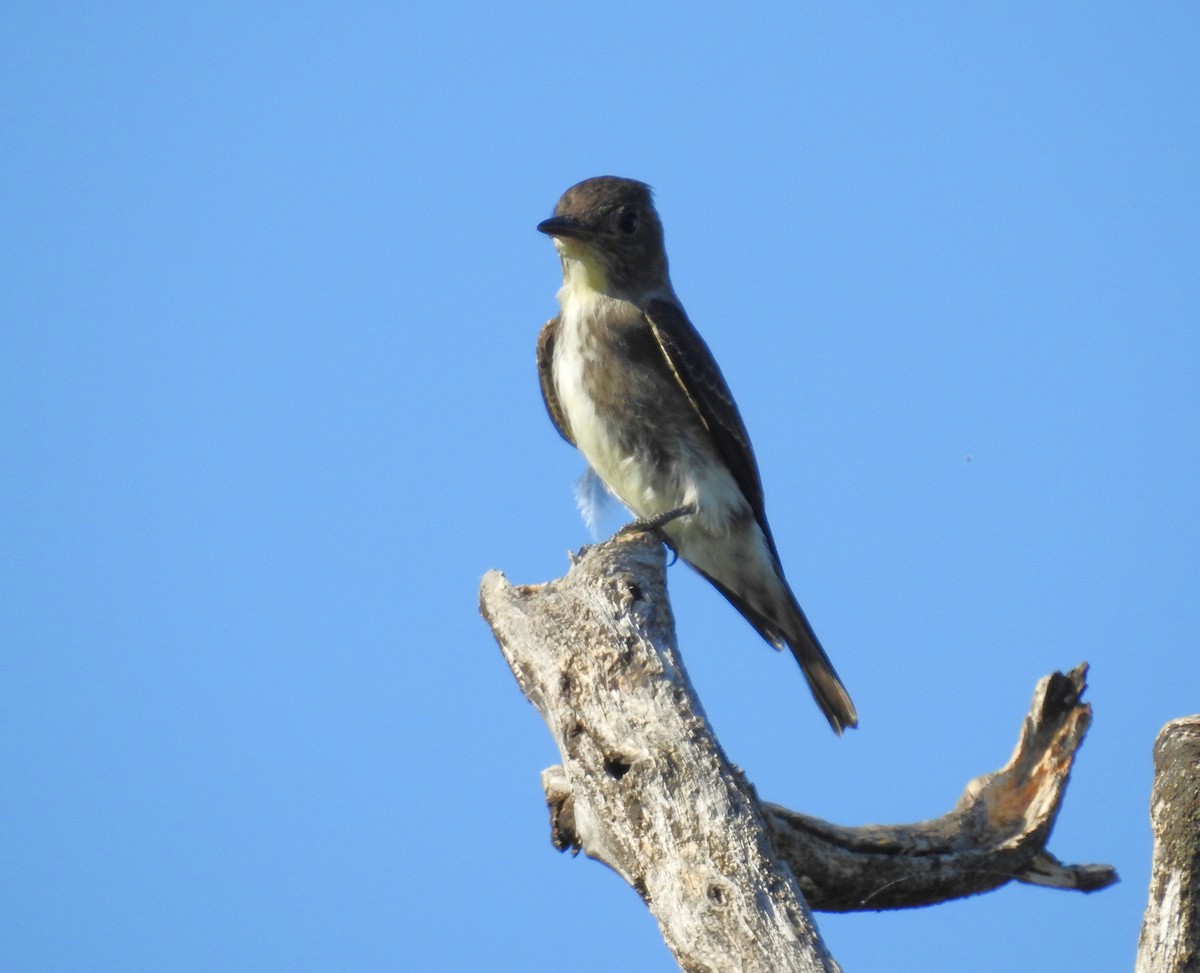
(656, 523)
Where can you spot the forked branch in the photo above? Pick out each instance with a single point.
(645, 788)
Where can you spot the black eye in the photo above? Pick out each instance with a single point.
(627, 221)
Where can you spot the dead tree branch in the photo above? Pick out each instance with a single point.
(645, 788)
(996, 833)
(1170, 940)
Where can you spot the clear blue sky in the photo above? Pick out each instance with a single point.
(268, 300)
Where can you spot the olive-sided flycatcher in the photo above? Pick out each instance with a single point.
(629, 381)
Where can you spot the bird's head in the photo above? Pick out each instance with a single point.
(607, 230)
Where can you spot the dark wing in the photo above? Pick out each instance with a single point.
(697, 373)
(545, 365)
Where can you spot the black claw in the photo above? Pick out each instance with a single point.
(659, 521)
(656, 524)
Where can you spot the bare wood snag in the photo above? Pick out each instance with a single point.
(645, 787)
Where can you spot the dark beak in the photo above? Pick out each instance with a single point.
(565, 226)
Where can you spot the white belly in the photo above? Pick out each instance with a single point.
(692, 473)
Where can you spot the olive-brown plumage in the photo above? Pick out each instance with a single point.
(629, 381)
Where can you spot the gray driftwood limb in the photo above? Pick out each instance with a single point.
(645, 788)
(1170, 940)
(996, 833)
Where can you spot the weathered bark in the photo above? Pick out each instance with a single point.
(996, 832)
(1170, 940)
(645, 788)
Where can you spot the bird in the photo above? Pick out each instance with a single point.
(628, 380)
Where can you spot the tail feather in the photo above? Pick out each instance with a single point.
(787, 625)
(827, 688)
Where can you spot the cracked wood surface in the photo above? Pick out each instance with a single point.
(645, 788)
(1170, 939)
